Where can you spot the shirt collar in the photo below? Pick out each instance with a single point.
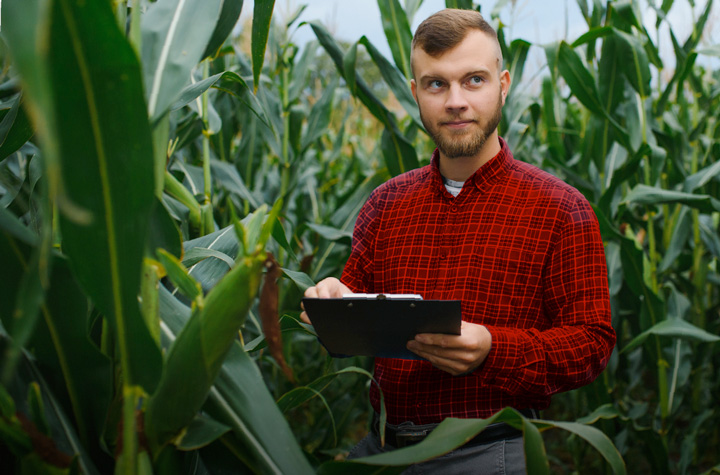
(483, 176)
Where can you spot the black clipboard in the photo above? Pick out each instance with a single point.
(379, 327)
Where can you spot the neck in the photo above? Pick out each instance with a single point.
(462, 168)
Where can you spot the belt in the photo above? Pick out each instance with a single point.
(409, 434)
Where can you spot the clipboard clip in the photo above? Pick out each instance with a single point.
(382, 296)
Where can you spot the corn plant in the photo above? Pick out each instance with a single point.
(131, 138)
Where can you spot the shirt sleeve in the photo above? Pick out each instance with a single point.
(358, 271)
(577, 346)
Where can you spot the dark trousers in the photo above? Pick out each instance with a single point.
(499, 457)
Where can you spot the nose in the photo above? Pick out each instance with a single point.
(456, 100)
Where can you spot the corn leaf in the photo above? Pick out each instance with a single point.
(262, 14)
(229, 14)
(643, 194)
(400, 155)
(673, 327)
(398, 83)
(178, 275)
(636, 65)
(201, 432)
(15, 129)
(579, 79)
(106, 154)
(169, 54)
(596, 439)
(240, 399)
(398, 34)
(195, 357)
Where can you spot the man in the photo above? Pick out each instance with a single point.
(520, 249)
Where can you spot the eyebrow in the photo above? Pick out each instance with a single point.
(477, 72)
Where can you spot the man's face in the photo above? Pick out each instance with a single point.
(460, 94)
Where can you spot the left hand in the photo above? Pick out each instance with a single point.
(455, 354)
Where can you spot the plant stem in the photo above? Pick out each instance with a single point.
(285, 159)
(135, 31)
(121, 13)
(206, 137)
(129, 439)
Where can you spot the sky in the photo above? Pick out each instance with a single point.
(538, 22)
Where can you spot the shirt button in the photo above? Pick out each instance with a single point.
(454, 209)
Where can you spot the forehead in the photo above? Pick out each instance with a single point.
(477, 51)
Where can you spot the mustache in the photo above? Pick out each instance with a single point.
(456, 118)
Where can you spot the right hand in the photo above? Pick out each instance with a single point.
(330, 288)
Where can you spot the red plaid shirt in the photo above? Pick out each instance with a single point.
(522, 251)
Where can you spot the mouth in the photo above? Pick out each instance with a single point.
(457, 124)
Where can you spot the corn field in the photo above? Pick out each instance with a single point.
(169, 188)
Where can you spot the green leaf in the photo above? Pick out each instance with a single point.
(462, 4)
(229, 15)
(579, 79)
(592, 35)
(262, 14)
(349, 71)
(702, 178)
(319, 120)
(106, 155)
(199, 254)
(398, 33)
(209, 271)
(675, 328)
(713, 50)
(201, 432)
(240, 399)
(636, 65)
(15, 129)
(448, 435)
(330, 233)
(178, 275)
(401, 152)
(195, 357)
(164, 233)
(300, 395)
(606, 411)
(229, 82)
(599, 441)
(649, 195)
(228, 176)
(62, 345)
(36, 408)
(535, 456)
(680, 236)
(61, 426)
(301, 279)
(169, 54)
(395, 80)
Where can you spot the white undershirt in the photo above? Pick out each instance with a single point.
(453, 187)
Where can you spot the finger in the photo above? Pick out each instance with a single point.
(441, 340)
(311, 292)
(448, 365)
(323, 291)
(304, 317)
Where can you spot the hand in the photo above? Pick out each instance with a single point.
(330, 288)
(455, 354)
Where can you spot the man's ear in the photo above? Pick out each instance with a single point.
(505, 81)
(413, 89)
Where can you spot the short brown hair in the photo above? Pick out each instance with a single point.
(445, 29)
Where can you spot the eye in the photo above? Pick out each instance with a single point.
(476, 80)
(435, 84)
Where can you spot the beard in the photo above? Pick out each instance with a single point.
(463, 143)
